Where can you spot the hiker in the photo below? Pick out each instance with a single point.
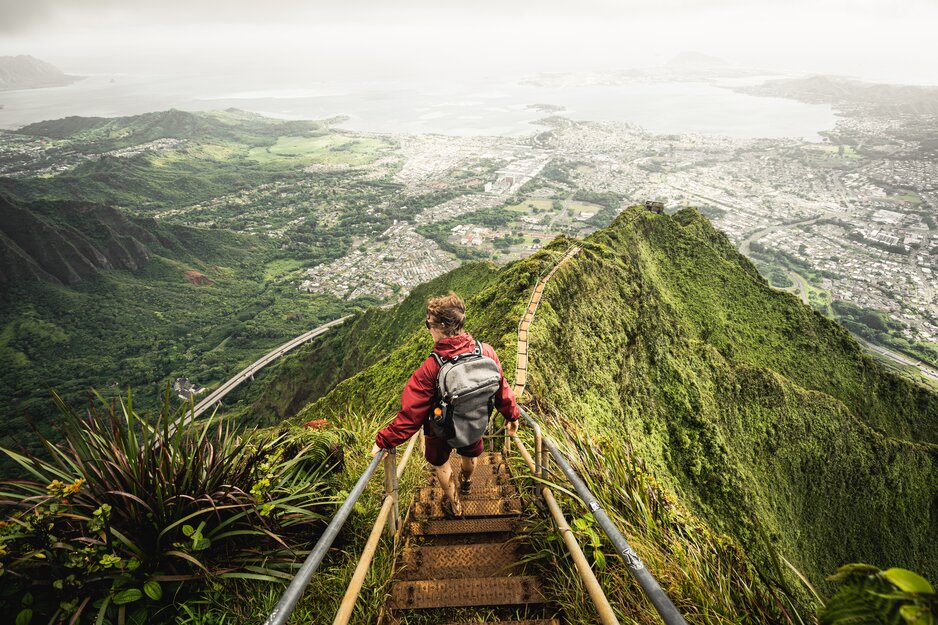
(454, 410)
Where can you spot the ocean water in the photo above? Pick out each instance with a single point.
(484, 108)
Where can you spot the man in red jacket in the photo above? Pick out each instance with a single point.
(445, 318)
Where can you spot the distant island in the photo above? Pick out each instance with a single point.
(546, 108)
(27, 72)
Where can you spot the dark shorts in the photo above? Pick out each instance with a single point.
(438, 450)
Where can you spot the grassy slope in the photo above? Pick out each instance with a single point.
(217, 158)
(752, 407)
(760, 416)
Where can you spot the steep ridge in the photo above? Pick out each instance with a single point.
(763, 416)
(764, 419)
(172, 124)
(66, 242)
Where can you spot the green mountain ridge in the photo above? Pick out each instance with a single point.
(765, 420)
(64, 242)
(118, 132)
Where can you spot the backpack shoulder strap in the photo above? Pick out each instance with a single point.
(478, 349)
(439, 359)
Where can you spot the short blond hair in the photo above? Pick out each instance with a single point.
(448, 312)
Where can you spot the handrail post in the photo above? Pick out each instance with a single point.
(390, 488)
(506, 440)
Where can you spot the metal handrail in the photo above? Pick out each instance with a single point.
(600, 601)
(300, 581)
(539, 277)
(390, 515)
(663, 604)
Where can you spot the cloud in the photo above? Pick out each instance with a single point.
(376, 37)
(20, 16)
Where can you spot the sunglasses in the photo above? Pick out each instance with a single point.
(428, 324)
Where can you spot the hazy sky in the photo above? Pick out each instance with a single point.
(369, 39)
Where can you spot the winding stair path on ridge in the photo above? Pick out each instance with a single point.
(521, 367)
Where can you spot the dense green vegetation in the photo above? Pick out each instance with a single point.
(769, 436)
(869, 595)
(126, 520)
(142, 330)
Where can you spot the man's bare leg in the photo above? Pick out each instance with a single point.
(444, 476)
(468, 466)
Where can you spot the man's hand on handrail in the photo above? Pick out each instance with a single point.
(512, 427)
(375, 449)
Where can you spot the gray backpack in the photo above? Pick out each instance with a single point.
(465, 387)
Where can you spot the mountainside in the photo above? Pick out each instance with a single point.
(117, 132)
(92, 297)
(762, 418)
(64, 242)
(27, 72)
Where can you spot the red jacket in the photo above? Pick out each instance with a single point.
(420, 391)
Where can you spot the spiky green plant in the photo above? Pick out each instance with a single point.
(127, 517)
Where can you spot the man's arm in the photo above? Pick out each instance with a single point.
(416, 402)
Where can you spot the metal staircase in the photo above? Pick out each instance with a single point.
(473, 561)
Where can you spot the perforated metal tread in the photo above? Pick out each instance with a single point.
(479, 491)
(485, 479)
(449, 527)
(470, 508)
(486, 458)
(453, 593)
(458, 561)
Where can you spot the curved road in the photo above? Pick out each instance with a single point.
(758, 234)
(802, 286)
(248, 372)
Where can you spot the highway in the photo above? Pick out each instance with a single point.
(248, 372)
(900, 358)
(802, 286)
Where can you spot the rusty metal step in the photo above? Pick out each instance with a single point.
(458, 561)
(450, 527)
(486, 476)
(471, 508)
(453, 593)
(479, 490)
(486, 458)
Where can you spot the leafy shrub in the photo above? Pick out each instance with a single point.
(125, 518)
(869, 595)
